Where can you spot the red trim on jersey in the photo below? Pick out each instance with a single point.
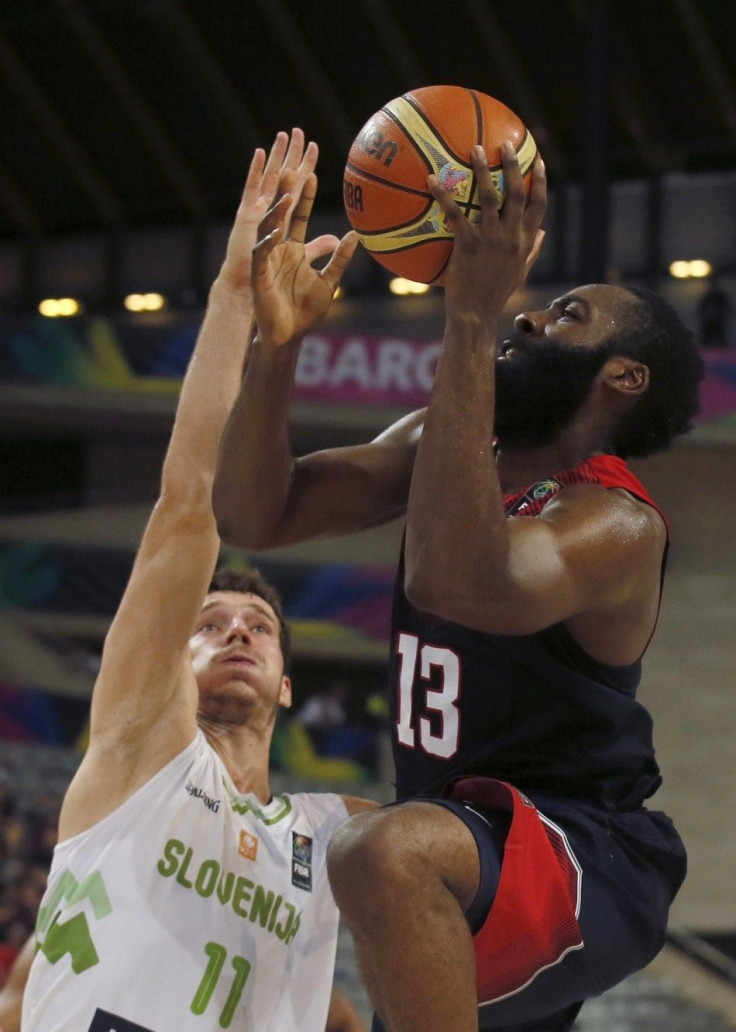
(607, 470)
(532, 923)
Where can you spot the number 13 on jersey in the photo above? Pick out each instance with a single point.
(429, 683)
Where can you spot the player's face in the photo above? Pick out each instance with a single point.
(546, 366)
(236, 653)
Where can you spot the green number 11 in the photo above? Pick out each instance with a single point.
(217, 955)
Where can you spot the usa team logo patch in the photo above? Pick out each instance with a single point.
(301, 861)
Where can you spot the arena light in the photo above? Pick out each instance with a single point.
(700, 269)
(400, 286)
(680, 270)
(59, 307)
(697, 268)
(150, 302)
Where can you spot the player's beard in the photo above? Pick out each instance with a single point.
(540, 386)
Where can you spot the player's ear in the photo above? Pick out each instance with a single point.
(285, 692)
(626, 375)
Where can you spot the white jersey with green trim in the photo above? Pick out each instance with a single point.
(190, 908)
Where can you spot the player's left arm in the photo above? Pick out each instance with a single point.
(592, 553)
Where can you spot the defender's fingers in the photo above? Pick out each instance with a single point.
(275, 217)
(303, 210)
(309, 161)
(333, 271)
(270, 178)
(320, 246)
(295, 152)
(255, 170)
(277, 209)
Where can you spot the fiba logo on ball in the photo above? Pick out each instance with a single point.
(429, 130)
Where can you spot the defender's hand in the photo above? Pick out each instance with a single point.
(290, 296)
(287, 153)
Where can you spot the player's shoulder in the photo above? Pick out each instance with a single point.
(321, 803)
(405, 430)
(615, 511)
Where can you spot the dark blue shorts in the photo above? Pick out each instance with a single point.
(564, 909)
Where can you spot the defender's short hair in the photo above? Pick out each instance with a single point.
(252, 582)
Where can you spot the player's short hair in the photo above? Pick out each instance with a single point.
(251, 581)
(655, 335)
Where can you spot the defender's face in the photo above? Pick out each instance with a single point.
(236, 650)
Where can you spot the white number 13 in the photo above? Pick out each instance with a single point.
(441, 700)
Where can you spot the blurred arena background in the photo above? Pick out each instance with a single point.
(126, 130)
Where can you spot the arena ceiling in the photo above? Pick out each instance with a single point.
(123, 113)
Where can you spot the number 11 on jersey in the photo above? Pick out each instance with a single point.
(429, 682)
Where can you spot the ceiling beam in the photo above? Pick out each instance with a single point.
(656, 155)
(176, 24)
(525, 99)
(317, 85)
(150, 129)
(17, 205)
(397, 44)
(58, 136)
(712, 66)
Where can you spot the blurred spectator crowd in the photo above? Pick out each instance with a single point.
(28, 820)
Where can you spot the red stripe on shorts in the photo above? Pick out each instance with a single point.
(532, 923)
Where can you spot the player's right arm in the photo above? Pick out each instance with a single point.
(264, 496)
(144, 703)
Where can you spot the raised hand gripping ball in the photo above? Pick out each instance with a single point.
(429, 130)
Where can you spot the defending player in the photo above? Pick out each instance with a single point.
(521, 872)
(182, 894)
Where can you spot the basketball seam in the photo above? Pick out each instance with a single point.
(435, 130)
(409, 246)
(406, 133)
(386, 182)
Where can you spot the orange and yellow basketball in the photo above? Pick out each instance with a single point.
(428, 130)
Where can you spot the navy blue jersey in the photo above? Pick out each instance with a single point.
(538, 713)
(534, 710)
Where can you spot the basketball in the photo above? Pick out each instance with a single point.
(428, 130)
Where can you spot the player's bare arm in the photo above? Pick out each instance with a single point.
(455, 487)
(144, 703)
(593, 557)
(264, 496)
(11, 994)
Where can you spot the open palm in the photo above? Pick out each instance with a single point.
(290, 296)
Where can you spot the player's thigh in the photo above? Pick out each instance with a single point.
(417, 843)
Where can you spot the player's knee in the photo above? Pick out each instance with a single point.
(365, 852)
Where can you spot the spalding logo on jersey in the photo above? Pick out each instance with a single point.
(301, 861)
